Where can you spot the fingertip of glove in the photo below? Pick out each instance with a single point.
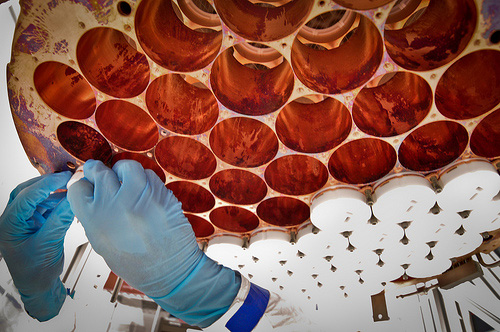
(96, 170)
(91, 164)
(127, 165)
(78, 192)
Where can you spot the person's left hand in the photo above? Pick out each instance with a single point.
(32, 230)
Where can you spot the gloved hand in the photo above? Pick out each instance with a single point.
(32, 230)
(137, 225)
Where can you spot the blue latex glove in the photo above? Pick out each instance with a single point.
(32, 230)
(137, 225)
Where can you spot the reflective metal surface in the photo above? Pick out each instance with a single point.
(247, 109)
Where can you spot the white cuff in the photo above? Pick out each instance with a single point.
(280, 315)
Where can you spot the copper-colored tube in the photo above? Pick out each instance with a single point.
(394, 107)
(340, 69)
(331, 33)
(201, 227)
(255, 22)
(111, 64)
(283, 211)
(421, 46)
(64, 90)
(194, 198)
(186, 158)
(181, 107)
(247, 90)
(83, 142)
(401, 10)
(171, 44)
(234, 219)
(362, 4)
(485, 139)
(433, 146)
(146, 162)
(197, 15)
(471, 86)
(315, 127)
(257, 54)
(238, 186)
(362, 161)
(296, 175)
(126, 125)
(243, 142)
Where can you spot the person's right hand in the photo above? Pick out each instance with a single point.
(137, 225)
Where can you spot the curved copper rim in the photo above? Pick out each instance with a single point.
(171, 44)
(259, 23)
(433, 48)
(267, 56)
(250, 91)
(337, 70)
(313, 127)
(111, 64)
(310, 99)
(403, 9)
(381, 80)
(197, 15)
(362, 4)
(332, 33)
(64, 90)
